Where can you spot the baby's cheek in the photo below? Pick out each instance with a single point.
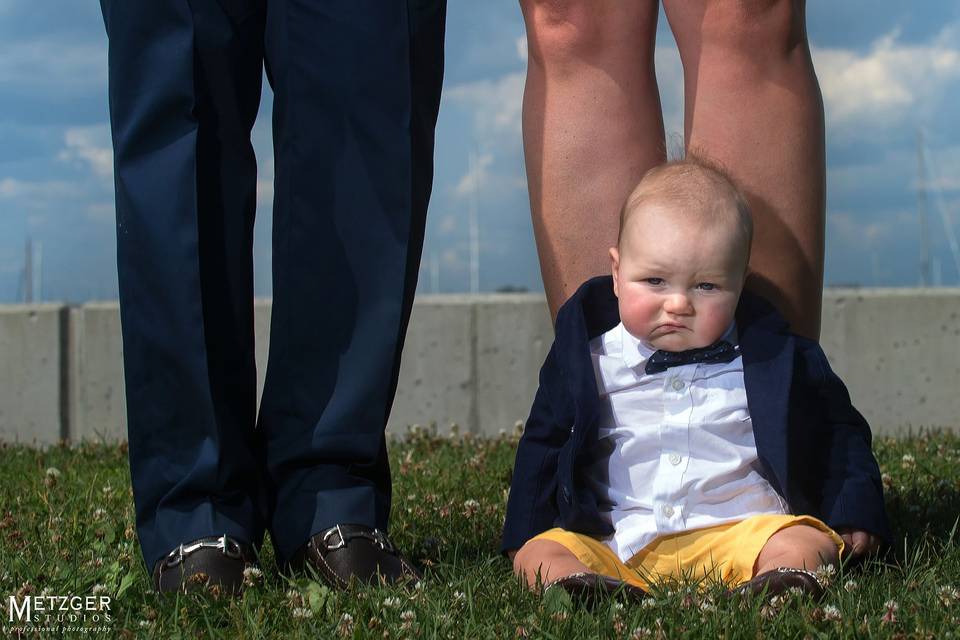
(635, 315)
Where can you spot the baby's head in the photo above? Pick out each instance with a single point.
(681, 256)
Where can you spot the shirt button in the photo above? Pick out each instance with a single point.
(674, 458)
(678, 385)
(667, 511)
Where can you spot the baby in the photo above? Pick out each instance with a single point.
(679, 428)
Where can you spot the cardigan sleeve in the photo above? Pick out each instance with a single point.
(852, 491)
(532, 506)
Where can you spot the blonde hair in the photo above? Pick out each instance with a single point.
(696, 181)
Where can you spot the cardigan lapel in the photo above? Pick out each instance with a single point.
(592, 312)
(767, 348)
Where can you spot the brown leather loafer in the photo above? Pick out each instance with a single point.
(779, 581)
(589, 589)
(214, 562)
(347, 552)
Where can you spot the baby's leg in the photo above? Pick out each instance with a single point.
(800, 547)
(547, 559)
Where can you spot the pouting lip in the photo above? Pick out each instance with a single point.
(670, 326)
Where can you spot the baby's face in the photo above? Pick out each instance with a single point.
(677, 284)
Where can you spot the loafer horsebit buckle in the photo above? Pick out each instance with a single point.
(377, 537)
(227, 545)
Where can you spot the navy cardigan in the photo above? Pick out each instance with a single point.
(813, 446)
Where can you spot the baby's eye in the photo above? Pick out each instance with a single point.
(707, 286)
(654, 281)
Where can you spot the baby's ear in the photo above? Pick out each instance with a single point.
(615, 268)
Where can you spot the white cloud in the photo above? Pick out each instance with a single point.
(450, 258)
(475, 179)
(12, 188)
(670, 84)
(265, 174)
(91, 146)
(496, 108)
(447, 224)
(496, 104)
(942, 168)
(890, 81)
(101, 212)
(522, 48)
(53, 65)
(850, 230)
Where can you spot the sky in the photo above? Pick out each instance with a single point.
(887, 72)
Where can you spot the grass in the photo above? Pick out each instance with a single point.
(66, 528)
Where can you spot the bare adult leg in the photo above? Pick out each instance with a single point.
(752, 102)
(591, 127)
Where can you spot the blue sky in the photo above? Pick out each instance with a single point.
(886, 70)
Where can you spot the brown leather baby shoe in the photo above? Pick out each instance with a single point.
(779, 581)
(589, 589)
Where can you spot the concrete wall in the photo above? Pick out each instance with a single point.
(473, 361)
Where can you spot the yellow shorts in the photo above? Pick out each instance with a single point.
(726, 552)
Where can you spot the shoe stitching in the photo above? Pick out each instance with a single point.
(337, 579)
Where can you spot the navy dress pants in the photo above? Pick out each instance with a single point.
(357, 89)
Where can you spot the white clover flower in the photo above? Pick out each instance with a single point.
(641, 633)
(831, 613)
(391, 602)
(471, 504)
(948, 594)
(825, 573)
(252, 576)
(890, 615)
(648, 603)
(302, 612)
(345, 626)
(408, 616)
(850, 585)
(99, 513)
(908, 461)
(144, 624)
(53, 472)
(99, 589)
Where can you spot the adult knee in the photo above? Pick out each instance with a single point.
(753, 30)
(575, 31)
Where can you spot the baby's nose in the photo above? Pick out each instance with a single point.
(678, 303)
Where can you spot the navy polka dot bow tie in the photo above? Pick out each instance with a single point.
(721, 351)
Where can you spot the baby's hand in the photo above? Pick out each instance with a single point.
(858, 543)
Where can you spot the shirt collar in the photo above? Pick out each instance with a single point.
(634, 351)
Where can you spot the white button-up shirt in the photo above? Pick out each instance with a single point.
(675, 449)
